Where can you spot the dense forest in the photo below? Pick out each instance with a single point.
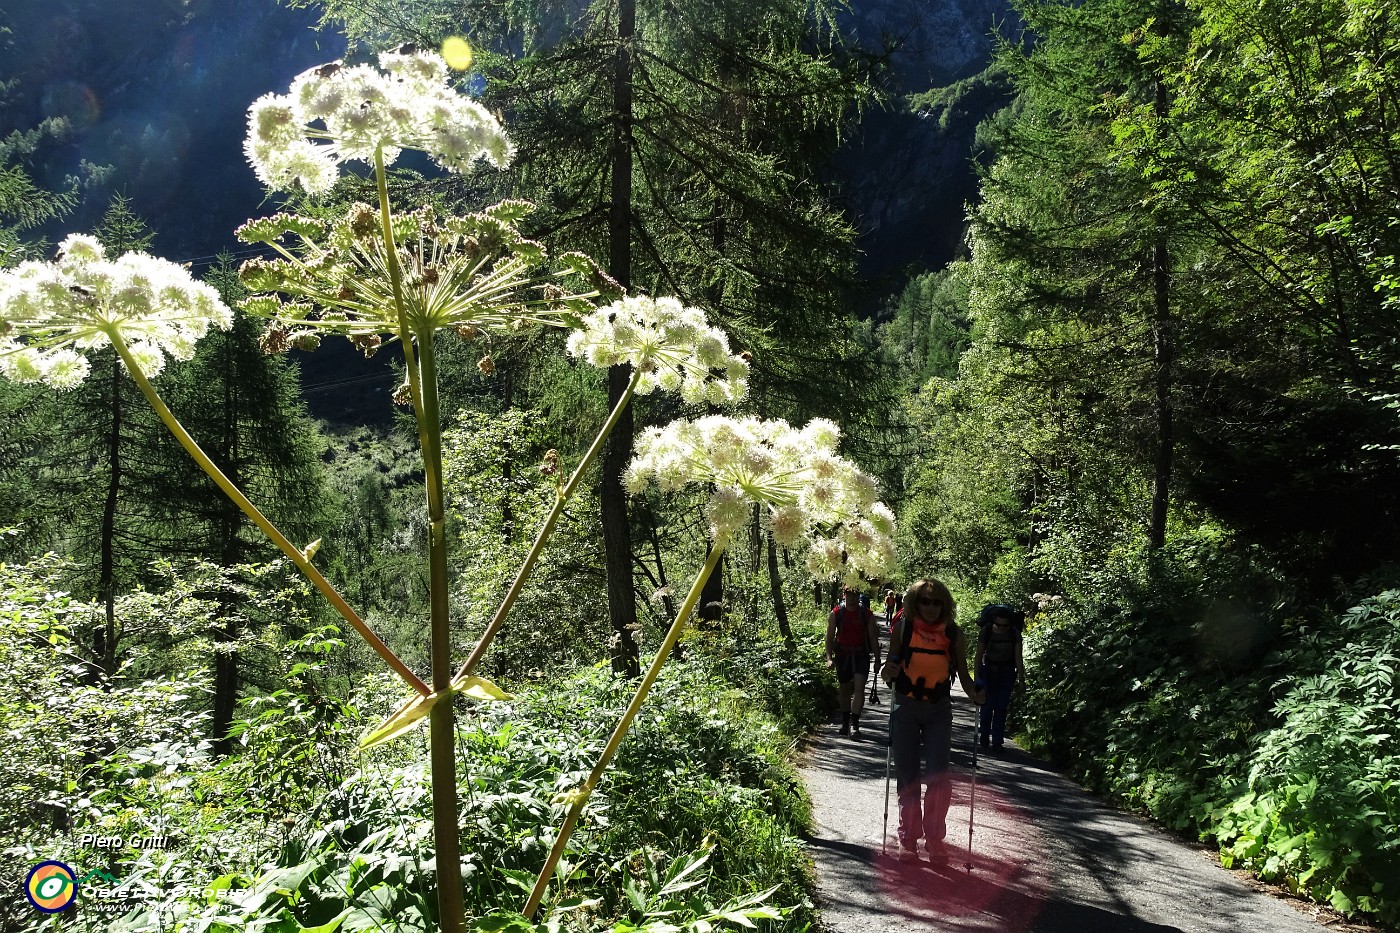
(645, 408)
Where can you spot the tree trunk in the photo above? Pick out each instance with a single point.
(775, 584)
(667, 602)
(1162, 373)
(617, 532)
(712, 595)
(755, 540)
(105, 646)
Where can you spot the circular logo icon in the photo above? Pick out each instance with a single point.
(50, 887)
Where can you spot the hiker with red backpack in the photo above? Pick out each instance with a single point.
(926, 649)
(852, 640)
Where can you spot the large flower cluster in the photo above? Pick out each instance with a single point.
(672, 346)
(362, 110)
(812, 494)
(52, 311)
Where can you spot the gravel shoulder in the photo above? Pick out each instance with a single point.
(1046, 857)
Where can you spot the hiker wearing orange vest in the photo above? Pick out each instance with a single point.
(852, 640)
(926, 649)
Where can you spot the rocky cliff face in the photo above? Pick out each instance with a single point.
(907, 177)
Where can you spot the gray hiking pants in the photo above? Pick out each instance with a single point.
(921, 734)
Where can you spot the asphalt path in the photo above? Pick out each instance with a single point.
(1045, 857)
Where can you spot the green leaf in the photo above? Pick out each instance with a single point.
(503, 923)
(329, 926)
(479, 688)
(404, 718)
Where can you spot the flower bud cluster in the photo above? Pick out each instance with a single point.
(812, 494)
(52, 311)
(472, 274)
(672, 346)
(361, 110)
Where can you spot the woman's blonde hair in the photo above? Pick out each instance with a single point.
(936, 587)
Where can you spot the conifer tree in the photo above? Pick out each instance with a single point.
(245, 409)
(683, 151)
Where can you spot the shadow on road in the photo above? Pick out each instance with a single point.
(988, 895)
(1047, 858)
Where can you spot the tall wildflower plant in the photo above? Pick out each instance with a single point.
(811, 496)
(374, 277)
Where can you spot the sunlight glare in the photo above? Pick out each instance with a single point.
(457, 53)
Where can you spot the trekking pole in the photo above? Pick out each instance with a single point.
(889, 754)
(972, 800)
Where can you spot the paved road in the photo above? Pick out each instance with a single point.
(1046, 857)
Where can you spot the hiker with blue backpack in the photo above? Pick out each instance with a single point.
(852, 641)
(927, 648)
(999, 666)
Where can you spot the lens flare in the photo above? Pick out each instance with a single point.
(457, 53)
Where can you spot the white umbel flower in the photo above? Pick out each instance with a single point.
(673, 347)
(336, 113)
(812, 494)
(52, 311)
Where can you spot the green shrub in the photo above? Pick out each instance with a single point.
(701, 773)
(1265, 732)
(1324, 786)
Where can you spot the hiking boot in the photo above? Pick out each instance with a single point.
(937, 853)
(986, 742)
(998, 747)
(845, 724)
(855, 724)
(908, 856)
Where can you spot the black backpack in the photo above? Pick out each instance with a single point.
(999, 652)
(992, 610)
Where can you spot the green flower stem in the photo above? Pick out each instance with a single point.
(391, 257)
(561, 498)
(422, 383)
(294, 554)
(441, 729)
(582, 795)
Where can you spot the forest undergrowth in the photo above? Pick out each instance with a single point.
(1269, 735)
(698, 825)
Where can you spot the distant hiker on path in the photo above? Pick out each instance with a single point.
(889, 606)
(852, 641)
(926, 649)
(999, 667)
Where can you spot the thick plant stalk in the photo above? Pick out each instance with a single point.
(561, 498)
(294, 553)
(422, 382)
(581, 796)
(441, 730)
